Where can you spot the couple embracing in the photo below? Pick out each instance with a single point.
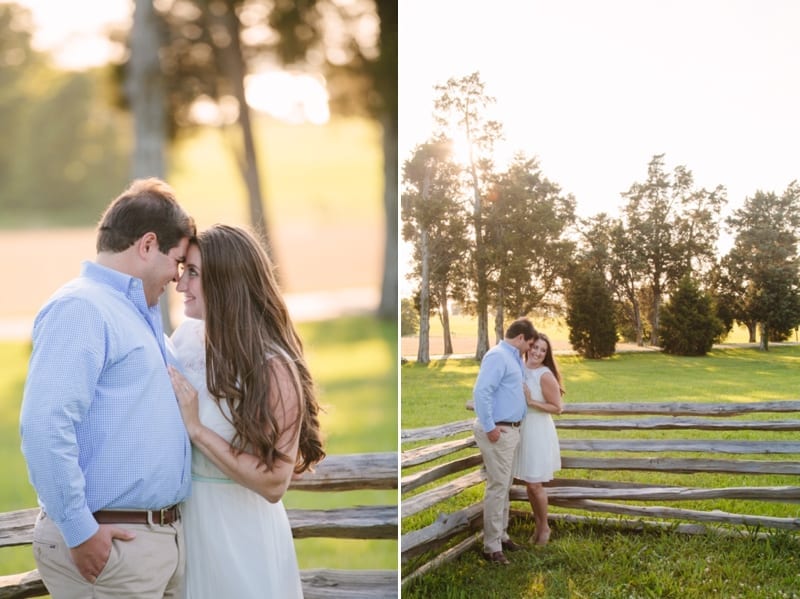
(160, 463)
(517, 389)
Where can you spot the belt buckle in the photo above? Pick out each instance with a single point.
(161, 516)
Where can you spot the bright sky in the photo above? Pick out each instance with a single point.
(74, 32)
(595, 89)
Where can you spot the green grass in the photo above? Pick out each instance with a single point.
(353, 361)
(600, 562)
(313, 174)
(593, 561)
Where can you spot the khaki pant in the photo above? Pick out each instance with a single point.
(151, 566)
(498, 462)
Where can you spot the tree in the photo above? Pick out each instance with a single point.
(361, 69)
(627, 268)
(435, 222)
(526, 221)
(764, 262)
(672, 228)
(689, 325)
(145, 92)
(590, 313)
(54, 170)
(460, 110)
(409, 318)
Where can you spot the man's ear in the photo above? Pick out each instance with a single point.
(147, 244)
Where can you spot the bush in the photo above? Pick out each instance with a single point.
(689, 324)
(590, 315)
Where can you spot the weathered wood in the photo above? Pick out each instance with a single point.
(349, 584)
(682, 408)
(351, 471)
(16, 528)
(684, 466)
(420, 455)
(675, 408)
(418, 479)
(364, 522)
(317, 584)
(446, 526)
(429, 433)
(21, 586)
(676, 423)
(688, 445)
(335, 473)
(650, 493)
(446, 556)
(370, 522)
(678, 513)
(423, 501)
(639, 524)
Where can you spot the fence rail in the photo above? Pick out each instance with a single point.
(772, 457)
(334, 473)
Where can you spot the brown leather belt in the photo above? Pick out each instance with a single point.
(506, 423)
(162, 517)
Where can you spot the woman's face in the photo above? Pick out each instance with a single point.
(190, 285)
(537, 353)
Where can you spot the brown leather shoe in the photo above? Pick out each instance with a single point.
(497, 557)
(509, 545)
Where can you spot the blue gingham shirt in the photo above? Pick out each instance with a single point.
(498, 393)
(100, 425)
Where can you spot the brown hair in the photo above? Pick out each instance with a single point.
(521, 326)
(247, 329)
(148, 205)
(550, 361)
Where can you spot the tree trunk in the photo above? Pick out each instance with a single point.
(637, 317)
(424, 349)
(444, 315)
(764, 345)
(656, 315)
(232, 65)
(482, 307)
(144, 88)
(751, 331)
(499, 332)
(387, 308)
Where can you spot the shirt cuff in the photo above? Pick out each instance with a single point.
(77, 530)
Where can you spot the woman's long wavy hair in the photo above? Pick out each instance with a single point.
(247, 327)
(550, 361)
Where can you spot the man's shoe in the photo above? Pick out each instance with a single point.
(496, 557)
(510, 545)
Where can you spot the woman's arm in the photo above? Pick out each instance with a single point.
(245, 468)
(552, 395)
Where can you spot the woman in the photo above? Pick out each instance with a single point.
(539, 455)
(248, 403)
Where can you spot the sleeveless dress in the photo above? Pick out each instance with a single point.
(237, 543)
(538, 454)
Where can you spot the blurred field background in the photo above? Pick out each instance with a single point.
(323, 186)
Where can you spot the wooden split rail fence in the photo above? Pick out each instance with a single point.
(375, 471)
(778, 454)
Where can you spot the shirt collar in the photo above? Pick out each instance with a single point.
(509, 348)
(128, 285)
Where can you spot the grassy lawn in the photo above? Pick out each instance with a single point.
(353, 361)
(597, 561)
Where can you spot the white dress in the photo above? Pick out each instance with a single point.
(237, 543)
(538, 454)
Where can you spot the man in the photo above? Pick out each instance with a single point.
(500, 407)
(101, 430)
